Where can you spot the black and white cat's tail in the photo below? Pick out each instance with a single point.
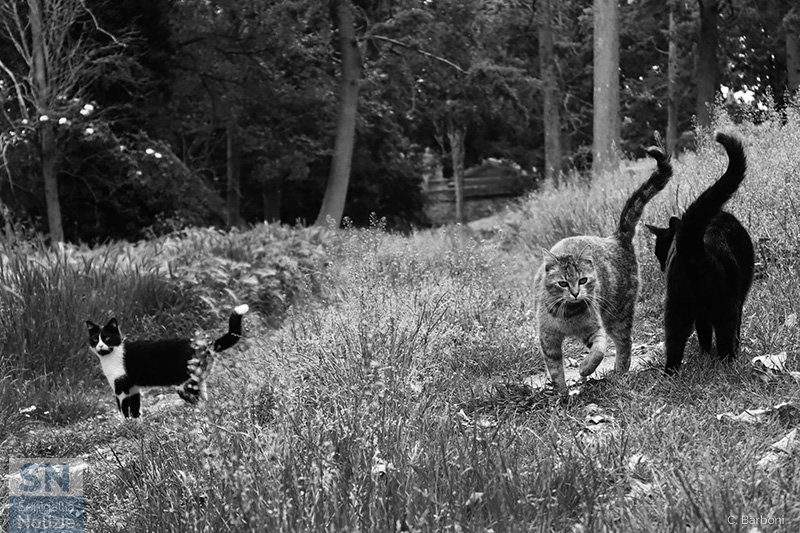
(634, 207)
(698, 215)
(234, 329)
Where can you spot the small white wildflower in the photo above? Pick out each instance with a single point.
(121, 147)
(30, 409)
(87, 110)
(89, 131)
(149, 151)
(24, 120)
(157, 155)
(44, 118)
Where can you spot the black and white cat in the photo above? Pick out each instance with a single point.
(130, 365)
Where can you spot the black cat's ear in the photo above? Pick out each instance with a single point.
(112, 323)
(92, 326)
(655, 230)
(674, 224)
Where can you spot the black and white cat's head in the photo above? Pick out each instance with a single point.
(105, 340)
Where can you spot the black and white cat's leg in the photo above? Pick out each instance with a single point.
(678, 323)
(551, 342)
(135, 402)
(596, 342)
(122, 390)
(703, 327)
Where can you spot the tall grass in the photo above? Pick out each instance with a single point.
(397, 403)
(396, 400)
(166, 287)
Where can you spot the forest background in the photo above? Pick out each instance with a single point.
(133, 118)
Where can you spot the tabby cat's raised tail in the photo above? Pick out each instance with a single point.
(634, 207)
(699, 214)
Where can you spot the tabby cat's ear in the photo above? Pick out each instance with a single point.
(548, 257)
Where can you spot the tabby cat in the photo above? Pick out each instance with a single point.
(587, 286)
(709, 261)
(130, 365)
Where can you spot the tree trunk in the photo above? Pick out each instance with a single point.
(672, 85)
(48, 151)
(234, 192)
(49, 161)
(272, 195)
(706, 73)
(606, 131)
(791, 24)
(456, 136)
(336, 190)
(547, 72)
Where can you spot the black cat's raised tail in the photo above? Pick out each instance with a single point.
(699, 214)
(234, 329)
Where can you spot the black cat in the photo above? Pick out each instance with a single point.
(709, 260)
(131, 365)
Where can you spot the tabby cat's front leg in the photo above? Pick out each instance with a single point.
(551, 342)
(596, 342)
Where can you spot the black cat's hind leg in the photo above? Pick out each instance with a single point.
(705, 332)
(678, 322)
(726, 330)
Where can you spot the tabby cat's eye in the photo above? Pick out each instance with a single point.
(582, 281)
(563, 284)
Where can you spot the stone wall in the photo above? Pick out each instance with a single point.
(444, 212)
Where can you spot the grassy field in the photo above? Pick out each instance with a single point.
(381, 383)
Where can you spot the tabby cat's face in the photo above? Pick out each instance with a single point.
(570, 279)
(102, 341)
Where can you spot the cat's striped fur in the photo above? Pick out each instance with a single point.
(587, 286)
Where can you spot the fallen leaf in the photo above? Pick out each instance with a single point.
(780, 451)
(771, 361)
(785, 410)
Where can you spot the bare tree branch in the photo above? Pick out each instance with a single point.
(419, 51)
